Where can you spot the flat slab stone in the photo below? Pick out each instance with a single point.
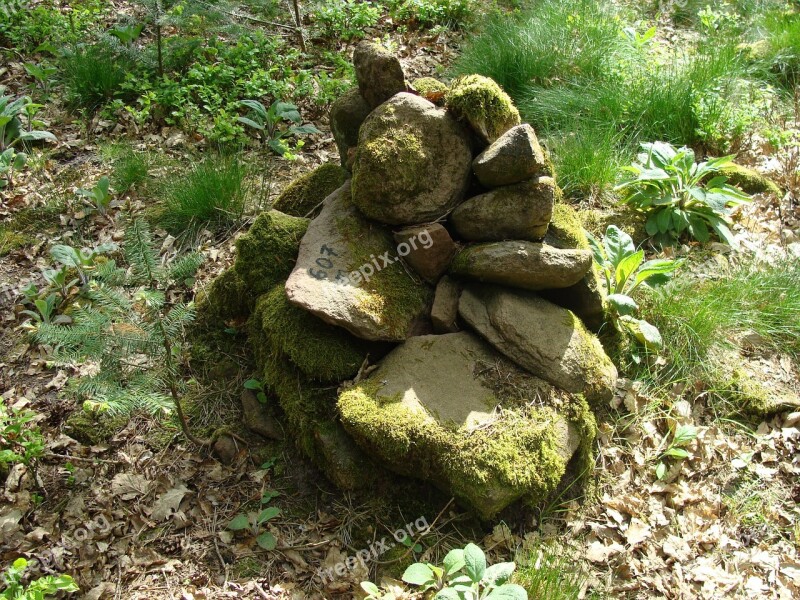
(348, 274)
(429, 411)
(521, 264)
(514, 212)
(515, 156)
(413, 162)
(547, 340)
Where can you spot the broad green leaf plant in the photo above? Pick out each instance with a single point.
(463, 575)
(624, 270)
(44, 587)
(681, 197)
(268, 123)
(255, 522)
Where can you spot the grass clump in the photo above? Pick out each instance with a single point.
(212, 195)
(594, 89)
(549, 570)
(701, 322)
(94, 74)
(130, 168)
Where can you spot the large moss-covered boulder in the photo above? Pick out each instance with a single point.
(586, 298)
(305, 194)
(378, 72)
(346, 116)
(320, 351)
(266, 254)
(484, 105)
(513, 212)
(348, 274)
(547, 340)
(429, 412)
(412, 164)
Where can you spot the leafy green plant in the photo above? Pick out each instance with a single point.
(127, 33)
(212, 195)
(624, 270)
(20, 442)
(463, 575)
(681, 437)
(431, 13)
(42, 588)
(10, 161)
(42, 73)
(83, 260)
(256, 522)
(127, 326)
(677, 196)
(345, 20)
(44, 313)
(268, 123)
(99, 197)
(12, 129)
(258, 387)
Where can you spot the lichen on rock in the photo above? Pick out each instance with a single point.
(482, 102)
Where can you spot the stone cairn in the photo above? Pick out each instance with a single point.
(434, 318)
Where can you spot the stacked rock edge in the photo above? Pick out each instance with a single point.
(460, 199)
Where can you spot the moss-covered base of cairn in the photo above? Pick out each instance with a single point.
(266, 254)
(519, 451)
(305, 194)
(226, 299)
(484, 105)
(300, 359)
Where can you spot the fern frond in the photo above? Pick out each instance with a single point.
(108, 273)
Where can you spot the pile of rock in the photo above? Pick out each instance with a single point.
(450, 261)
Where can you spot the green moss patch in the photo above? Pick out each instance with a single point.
(304, 194)
(267, 253)
(322, 352)
(227, 298)
(93, 429)
(750, 181)
(519, 451)
(565, 229)
(481, 102)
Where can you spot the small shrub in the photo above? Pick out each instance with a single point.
(463, 574)
(431, 13)
(623, 269)
(669, 187)
(345, 20)
(213, 195)
(20, 441)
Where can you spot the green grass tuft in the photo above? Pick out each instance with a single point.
(212, 195)
(94, 74)
(553, 572)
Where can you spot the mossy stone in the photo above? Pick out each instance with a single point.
(225, 299)
(484, 105)
(322, 352)
(413, 162)
(346, 116)
(587, 297)
(93, 429)
(266, 254)
(749, 180)
(521, 451)
(431, 89)
(306, 193)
